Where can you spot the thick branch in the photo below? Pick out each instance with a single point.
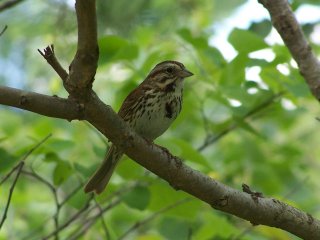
(84, 65)
(42, 104)
(287, 25)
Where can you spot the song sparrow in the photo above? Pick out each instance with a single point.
(149, 110)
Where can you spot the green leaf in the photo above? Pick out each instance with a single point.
(234, 72)
(85, 171)
(57, 144)
(188, 152)
(51, 157)
(138, 198)
(250, 84)
(61, 172)
(237, 93)
(109, 46)
(78, 199)
(282, 54)
(6, 160)
(129, 169)
(198, 42)
(215, 56)
(116, 48)
(272, 78)
(173, 228)
(246, 126)
(296, 85)
(127, 52)
(258, 62)
(225, 230)
(262, 28)
(162, 195)
(244, 41)
(99, 151)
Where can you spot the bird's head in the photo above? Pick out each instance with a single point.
(167, 73)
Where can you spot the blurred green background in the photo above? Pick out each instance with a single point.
(248, 117)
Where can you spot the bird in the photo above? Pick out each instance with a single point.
(149, 109)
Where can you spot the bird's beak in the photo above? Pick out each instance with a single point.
(185, 73)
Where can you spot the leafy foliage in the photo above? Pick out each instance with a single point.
(236, 127)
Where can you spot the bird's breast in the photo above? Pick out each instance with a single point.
(157, 114)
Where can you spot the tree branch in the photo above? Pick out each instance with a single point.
(265, 211)
(291, 33)
(42, 104)
(84, 65)
(67, 223)
(49, 54)
(8, 4)
(90, 221)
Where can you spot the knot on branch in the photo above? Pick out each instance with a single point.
(254, 195)
(221, 202)
(23, 100)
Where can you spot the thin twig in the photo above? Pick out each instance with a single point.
(74, 191)
(40, 179)
(71, 219)
(71, 194)
(103, 222)
(212, 139)
(19, 169)
(54, 192)
(93, 219)
(9, 174)
(25, 157)
(78, 232)
(36, 146)
(49, 54)
(20, 166)
(3, 30)
(152, 216)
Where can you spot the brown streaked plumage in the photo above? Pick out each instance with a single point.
(149, 109)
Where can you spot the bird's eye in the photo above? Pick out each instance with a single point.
(169, 70)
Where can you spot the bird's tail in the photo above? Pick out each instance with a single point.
(101, 177)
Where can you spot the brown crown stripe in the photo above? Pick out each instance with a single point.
(171, 61)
